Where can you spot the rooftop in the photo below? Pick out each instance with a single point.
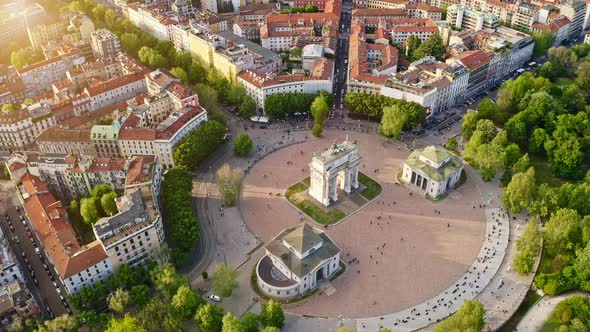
(437, 155)
(303, 235)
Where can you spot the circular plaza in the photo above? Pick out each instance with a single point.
(401, 248)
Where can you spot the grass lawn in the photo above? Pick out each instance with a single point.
(529, 300)
(321, 215)
(543, 171)
(372, 188)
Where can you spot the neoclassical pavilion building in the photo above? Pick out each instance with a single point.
(334, 168)
(296, 261)
(433, 170)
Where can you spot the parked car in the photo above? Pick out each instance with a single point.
(215, 298)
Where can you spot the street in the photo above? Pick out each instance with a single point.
(40, 280)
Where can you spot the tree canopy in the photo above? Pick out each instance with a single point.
(469, 318)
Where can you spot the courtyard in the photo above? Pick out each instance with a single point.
(401, 248)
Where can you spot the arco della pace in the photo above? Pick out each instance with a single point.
(334, 168)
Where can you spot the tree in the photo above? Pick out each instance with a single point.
(16, 325)
(272, 314)
(519, 191)
(250, 322)
(63, 323)
(487, 109)
(24, 57)
(186, 301)
(209, 318)
(522, 164)
(248, 108)
(545, 202)
(229, 183)
(562, 231)
(543, 41)
(511, 155)
(218, 82)
(199, 144)
(582, 267)
(139, 295)
(528, 247)
(433, 46)
(564, 58)
(167, 280)
(126, 324)
(208, 97)
(452, 143)
(224, 280)
(107, 201)
(236, 94)
(316, 130)
(469, 124)
(319, 111)
(537, 140)
(243, 145)
(488, 160)
(196, 73)
(583, 76)
(160, 316)
(412, 43)
(118, 300)
(181, 74)
(88, 210)
(231, 323)
(469, 318)
(270, 329)
(183, 60)
(393, 121)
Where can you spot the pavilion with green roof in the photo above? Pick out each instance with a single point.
(434, 171)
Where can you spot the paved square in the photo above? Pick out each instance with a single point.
(407, 248)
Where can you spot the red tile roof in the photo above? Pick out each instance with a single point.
(179, 123)
(475, 59)
(49, 220)
(102, 87)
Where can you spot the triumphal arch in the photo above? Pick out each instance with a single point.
(337, 167)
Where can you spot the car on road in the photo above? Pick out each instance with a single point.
(215, 298)
(36, 281)
(49, 312)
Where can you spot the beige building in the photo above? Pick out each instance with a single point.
(297, 260)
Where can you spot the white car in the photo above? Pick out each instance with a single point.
(215, 298)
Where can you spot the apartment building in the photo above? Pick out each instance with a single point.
(76, 265)
(162, 81)
(103, 94)
(10, 269)
(132, 236)
(18, 129)
(152, 19)
(16, 302)
(55, 140)
(50, 29)
(70, 27)
(463, 17)
(575, 11)
(284, 31)
(105, 44)
(259, 85)
(557, 25)
(135, 234)
(38, 77)
(231, 54)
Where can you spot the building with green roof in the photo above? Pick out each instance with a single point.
(296, 261)
(433, 170)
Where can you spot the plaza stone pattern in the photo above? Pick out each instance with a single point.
(469, 286)
(433, 171)
(336, 167)
(296, 261)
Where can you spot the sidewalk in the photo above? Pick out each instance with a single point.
(537, 315)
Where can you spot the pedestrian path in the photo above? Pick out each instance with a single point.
(475, 279)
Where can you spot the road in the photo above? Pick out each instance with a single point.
(338, 112)
(33, 266)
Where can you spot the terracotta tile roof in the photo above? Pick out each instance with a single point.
(137, 134)
(554, 25)
(56, 134)
(179, 90)
(474, 59)
(90, 117)
(102, 87)
(14, 117)
(136, 173)
(423, 6)
(322, 70)
(168, 132)
(41, 64)
(49, 220)
(379, 12)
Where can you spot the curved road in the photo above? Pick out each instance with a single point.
(537, 315)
